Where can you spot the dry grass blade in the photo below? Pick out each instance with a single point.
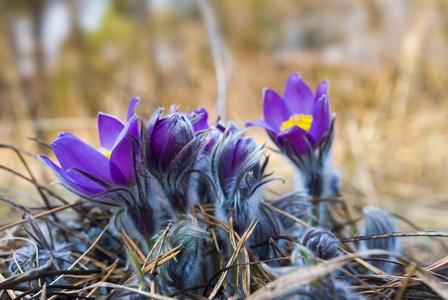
(438, 264)
(395, 235)
(297, 220)
(215, 241)
(44, 292)
(160, 247)
(246, 273)
(307, 275)
(10, 292)
(437, 286)
(111, 269)
(40, 273)
(44, 214)
(365, 264)
(121, 287)
(163, 258)
(241, 243)
(131, 245)
(406, 281)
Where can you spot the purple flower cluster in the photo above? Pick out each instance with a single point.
(152, 171)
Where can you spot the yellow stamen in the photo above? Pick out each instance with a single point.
(303, 121)
(104, 151)
(107, 154)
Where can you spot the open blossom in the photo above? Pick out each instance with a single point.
(108, 173)
(301, 126)
(300, 119)
(88, 171)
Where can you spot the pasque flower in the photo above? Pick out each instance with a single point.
(238, 174)
(298, 121)
(198, 119)
(88, 171)
(171, 149)
(110, 172)
(183, 271)
(321, 242)
(301, 126)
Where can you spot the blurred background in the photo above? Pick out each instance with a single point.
(62, 61)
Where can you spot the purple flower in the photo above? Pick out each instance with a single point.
(171, 150)
(300, 125)
(204, 188)
(88, 171)
(109, 172)
(198, 119)
(298, 121)
(238, 174)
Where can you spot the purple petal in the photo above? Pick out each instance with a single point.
(298, 96)
(170, 136)
(71, 152)
(109, 127)
(131, 128)
(322, 89)
(321, 119)
(226, 172)
(201, 122)
(131, 108)
(275, 111)
(90, 189)
(230, 128)
(122, 156)
(294, 140)
(151, 123)
(262, 124)
(213, 137)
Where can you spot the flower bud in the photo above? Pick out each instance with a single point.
(183, 270)
(378, 221)
(171, 150)
(238, 175)
(321, 242)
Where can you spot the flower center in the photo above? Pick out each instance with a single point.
(303, 121)
(105, 152)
